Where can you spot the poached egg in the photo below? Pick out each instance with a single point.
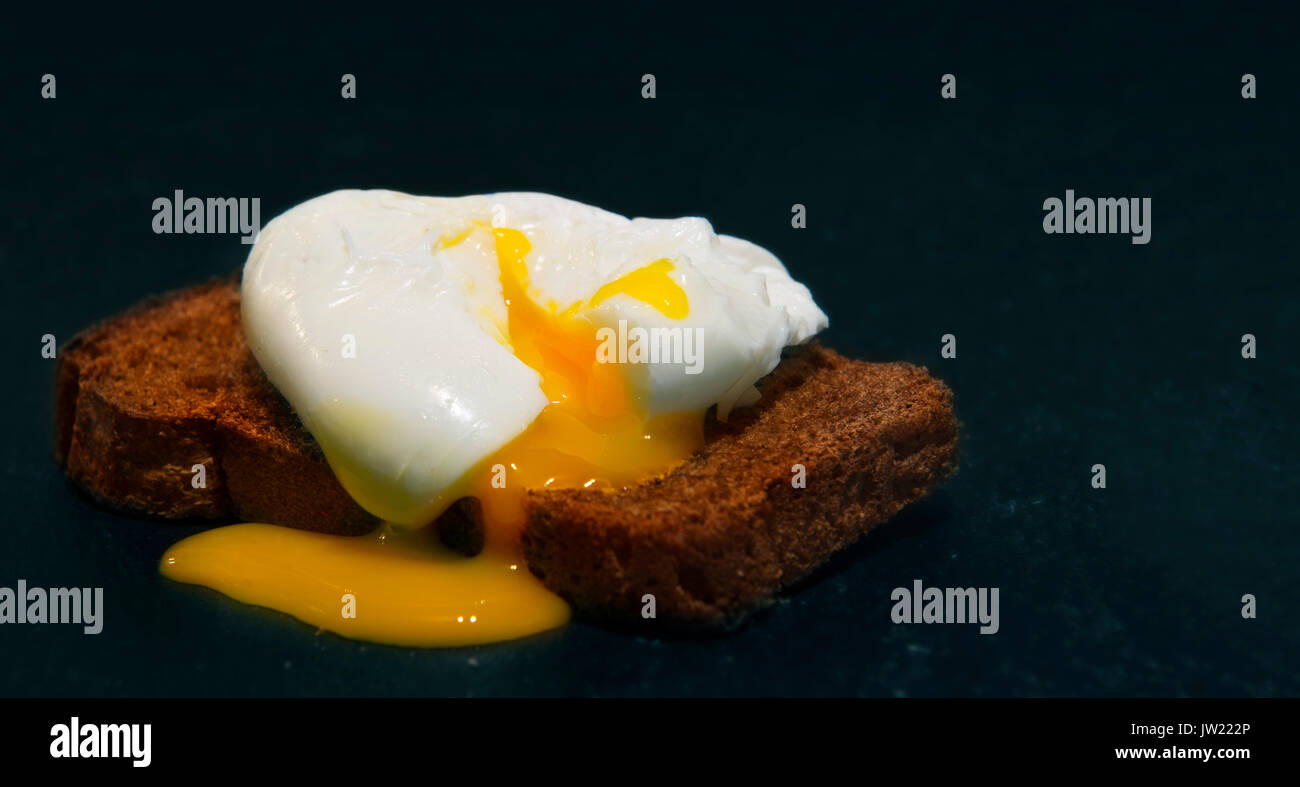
(482, 346)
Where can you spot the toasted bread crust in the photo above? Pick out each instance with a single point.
(143, 397)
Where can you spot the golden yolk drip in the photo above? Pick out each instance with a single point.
(405, 589)
(396, 586)
(593, 433)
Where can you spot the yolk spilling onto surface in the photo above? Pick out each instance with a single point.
(401, 587)
(395, 586)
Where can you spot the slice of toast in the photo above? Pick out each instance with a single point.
(144, 399)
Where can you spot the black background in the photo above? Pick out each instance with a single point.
(924, 218)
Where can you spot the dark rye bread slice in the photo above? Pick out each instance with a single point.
(718, 536)
(143, 397)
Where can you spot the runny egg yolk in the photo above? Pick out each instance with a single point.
(593, 433)
(401, 587)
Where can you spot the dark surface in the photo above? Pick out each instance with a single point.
(924, 219)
